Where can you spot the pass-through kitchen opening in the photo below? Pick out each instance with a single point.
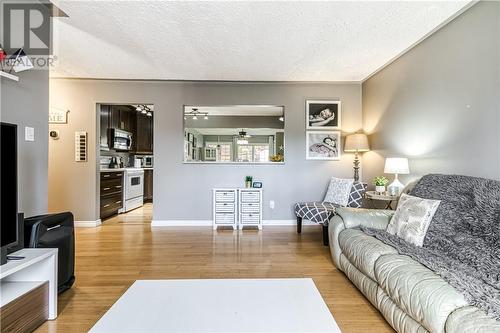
(126, 161)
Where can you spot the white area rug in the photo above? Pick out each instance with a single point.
(227, 305)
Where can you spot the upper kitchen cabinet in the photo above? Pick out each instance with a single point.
(144, 137)
(105, 116)
(123, 117)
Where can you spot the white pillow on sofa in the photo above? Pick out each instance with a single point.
(338, 191)
(412, 218)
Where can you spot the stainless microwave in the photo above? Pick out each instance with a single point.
(120, 140)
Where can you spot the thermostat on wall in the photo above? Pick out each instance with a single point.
(80, 146)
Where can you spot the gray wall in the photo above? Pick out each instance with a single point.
(26, 103)
(183, 191)
(439, 104)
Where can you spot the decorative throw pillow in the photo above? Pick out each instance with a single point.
(412, 218)
(356, 196)
(338, 191)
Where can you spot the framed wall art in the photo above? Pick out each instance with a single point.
(323, 114)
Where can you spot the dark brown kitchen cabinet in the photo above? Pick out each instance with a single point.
(148, 185)
(105, 116)
(111, 190)
(144, 134)
(123, 117)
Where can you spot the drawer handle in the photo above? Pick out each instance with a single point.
(119, 202)
(106, 176)
(118, 174)
(105, 206)
(249, 215)
(118, 186)
(225, 204)
(249, 204)
(106, 188)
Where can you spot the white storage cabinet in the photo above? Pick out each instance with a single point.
(224, 207)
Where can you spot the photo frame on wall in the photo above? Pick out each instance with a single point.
(323, 114)
(323, 145)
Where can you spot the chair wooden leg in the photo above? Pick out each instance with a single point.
(299, 225)
(325, 235)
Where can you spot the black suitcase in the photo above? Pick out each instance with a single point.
(54, 231)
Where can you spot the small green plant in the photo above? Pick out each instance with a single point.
(248, 178)
(380, 181)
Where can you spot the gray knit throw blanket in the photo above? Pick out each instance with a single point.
(462, 244)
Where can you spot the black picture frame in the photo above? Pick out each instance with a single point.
(257, 185)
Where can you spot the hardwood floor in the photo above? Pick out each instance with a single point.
(125, 248)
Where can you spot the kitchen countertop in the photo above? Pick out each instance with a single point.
(122, 169)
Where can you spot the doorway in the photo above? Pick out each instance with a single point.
(125, 166)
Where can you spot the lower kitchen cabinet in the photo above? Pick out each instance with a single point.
(148, 185)
(111, 193)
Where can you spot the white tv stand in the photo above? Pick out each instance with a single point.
(19, 277)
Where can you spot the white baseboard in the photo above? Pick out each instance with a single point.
(88, 224)
(181, 223)
(286, 222)
(208, 223)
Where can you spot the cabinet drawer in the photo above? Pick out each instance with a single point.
(224, 218)
(250, 218)
(111, 204)
(224, 207)
(111, 175)
(224, 196)
(248, 207)
(247, 196)
(110, 186)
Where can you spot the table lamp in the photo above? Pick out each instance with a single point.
(356, 143)
(396, 166)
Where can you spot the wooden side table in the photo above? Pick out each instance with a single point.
(375, 196)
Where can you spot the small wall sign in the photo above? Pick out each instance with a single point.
(58, 116)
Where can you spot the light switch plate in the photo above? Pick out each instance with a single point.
(29, 134)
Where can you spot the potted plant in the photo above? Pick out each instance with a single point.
(248, 181)
(380, 182)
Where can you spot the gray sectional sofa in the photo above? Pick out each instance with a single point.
(411, 297)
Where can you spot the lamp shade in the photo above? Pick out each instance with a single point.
(396, 165)
(356, 142)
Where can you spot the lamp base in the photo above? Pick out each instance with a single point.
(396, 187)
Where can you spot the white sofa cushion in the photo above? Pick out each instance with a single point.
(363, 250)
(470, 319)
(418, 291)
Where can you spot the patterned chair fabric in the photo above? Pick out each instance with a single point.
(322, 212)
(357, 193)
(319, 212)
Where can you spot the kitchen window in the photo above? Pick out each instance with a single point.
(253, 153)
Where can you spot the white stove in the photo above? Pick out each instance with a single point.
(133, 195)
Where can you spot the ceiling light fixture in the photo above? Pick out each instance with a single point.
(149, 114)
(282, 118)
(194, 113)
(242, 137)
(144, 111)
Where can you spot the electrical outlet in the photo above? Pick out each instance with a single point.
(271, 204)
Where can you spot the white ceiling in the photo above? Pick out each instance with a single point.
(238, 110)
(244, 40)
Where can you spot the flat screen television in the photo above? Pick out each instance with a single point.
(9, 227)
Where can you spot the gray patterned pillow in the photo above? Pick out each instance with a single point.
(356, 196)
(412, 218)
(338, 191)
